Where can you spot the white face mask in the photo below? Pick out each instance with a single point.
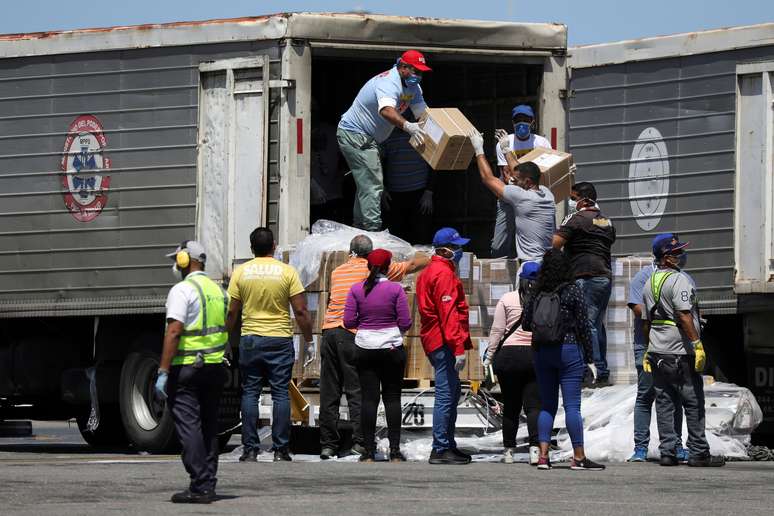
(572, 206)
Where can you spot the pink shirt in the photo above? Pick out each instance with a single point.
(506, 314)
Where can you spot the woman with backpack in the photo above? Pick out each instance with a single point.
(378, 309)
(510, 354)
(561, 340)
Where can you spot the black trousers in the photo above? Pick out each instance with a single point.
(518, 383)
(381, 370)
(338, 374)
(194, 398)
(404, 219)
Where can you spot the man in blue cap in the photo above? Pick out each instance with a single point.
(522, 141)
(675, 354)
(445, 336)
(646, 395)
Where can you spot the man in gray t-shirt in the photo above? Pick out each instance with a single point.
(675, 354)
(533, 205)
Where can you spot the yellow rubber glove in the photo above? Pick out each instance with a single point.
(646, 363)
(701, 357)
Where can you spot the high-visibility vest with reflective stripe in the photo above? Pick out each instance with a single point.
(207, 335)
(657, 280)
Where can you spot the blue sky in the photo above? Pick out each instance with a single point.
(589, 21)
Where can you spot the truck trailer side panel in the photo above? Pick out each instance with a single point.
(657, 137)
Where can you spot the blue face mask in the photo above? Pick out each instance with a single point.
(413, 80)
(522, 130)
(457, 256)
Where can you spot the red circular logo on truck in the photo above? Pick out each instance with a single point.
(83, 165)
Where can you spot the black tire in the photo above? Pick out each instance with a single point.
(147, 420)
(109, 432)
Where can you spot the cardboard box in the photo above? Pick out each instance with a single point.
(555, 166)
(496, 270)
(317, 303)
(417, 365)
(446, 144)
(465, 271)
(488, 294)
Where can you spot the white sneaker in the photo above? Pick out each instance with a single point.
(508, 456)
(534, 455)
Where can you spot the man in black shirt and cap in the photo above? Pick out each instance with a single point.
(587, 236)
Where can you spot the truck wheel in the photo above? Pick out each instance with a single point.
(109, 432)
(147, 420)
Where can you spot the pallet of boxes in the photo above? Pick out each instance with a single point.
(317, 303)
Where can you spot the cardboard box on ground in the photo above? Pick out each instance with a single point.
(556, 169)
(446, 144)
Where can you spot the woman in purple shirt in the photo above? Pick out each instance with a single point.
(378, 309)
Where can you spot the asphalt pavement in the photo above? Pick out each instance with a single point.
(54, 472)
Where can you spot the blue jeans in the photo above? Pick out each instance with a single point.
(560, 366)
(447, 395)
(643, 406)
(265, 360)
(596, 292)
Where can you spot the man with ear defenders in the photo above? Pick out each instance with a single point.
(191, 375)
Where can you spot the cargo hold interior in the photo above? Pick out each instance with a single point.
(484, 88)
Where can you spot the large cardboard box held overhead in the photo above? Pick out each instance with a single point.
(556, 169)
(446, 144)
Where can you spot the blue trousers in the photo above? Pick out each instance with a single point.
(447, 395)
(596, 293)
(555, 367)
(266, 360)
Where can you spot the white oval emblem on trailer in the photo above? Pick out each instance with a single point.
(649, 178)
(85, 189)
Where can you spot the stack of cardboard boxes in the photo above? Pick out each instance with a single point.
(620, 320)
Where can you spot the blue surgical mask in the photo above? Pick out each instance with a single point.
(457, 256)
(413, 80)
(522, 130)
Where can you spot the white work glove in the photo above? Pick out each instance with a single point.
(477, 139)
(594, 373)
(487, 361)
(459, 362)
(501, 135)
(426, 203)
(310, 352)
(415, 131)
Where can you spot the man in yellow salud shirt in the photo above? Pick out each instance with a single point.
(261, 291)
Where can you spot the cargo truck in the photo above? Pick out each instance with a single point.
(117, 144)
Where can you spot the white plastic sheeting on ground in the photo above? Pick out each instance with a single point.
(732, 413)
(333, 236)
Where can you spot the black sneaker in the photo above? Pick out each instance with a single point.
(707, 461)
(368, 457)
(397, 456)
(188, 497)
(249, 456)
(669, 460)
(460, 453)
(447, 457)
(282, 455)
(586, 464)
(327, 453)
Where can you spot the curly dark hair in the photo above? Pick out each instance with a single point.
(556, 270)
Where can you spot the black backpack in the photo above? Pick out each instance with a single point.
(547, 327)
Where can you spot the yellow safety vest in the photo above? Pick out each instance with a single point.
(207, 335)
(657, 280)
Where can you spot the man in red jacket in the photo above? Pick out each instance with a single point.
(445, 336)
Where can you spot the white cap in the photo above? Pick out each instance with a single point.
(194, 248)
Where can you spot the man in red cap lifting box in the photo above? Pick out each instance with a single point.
(378, 109)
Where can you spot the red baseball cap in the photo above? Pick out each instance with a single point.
(380, 258)
(415, 59)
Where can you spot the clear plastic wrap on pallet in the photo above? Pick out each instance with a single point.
(732, 413)
(333, 236)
